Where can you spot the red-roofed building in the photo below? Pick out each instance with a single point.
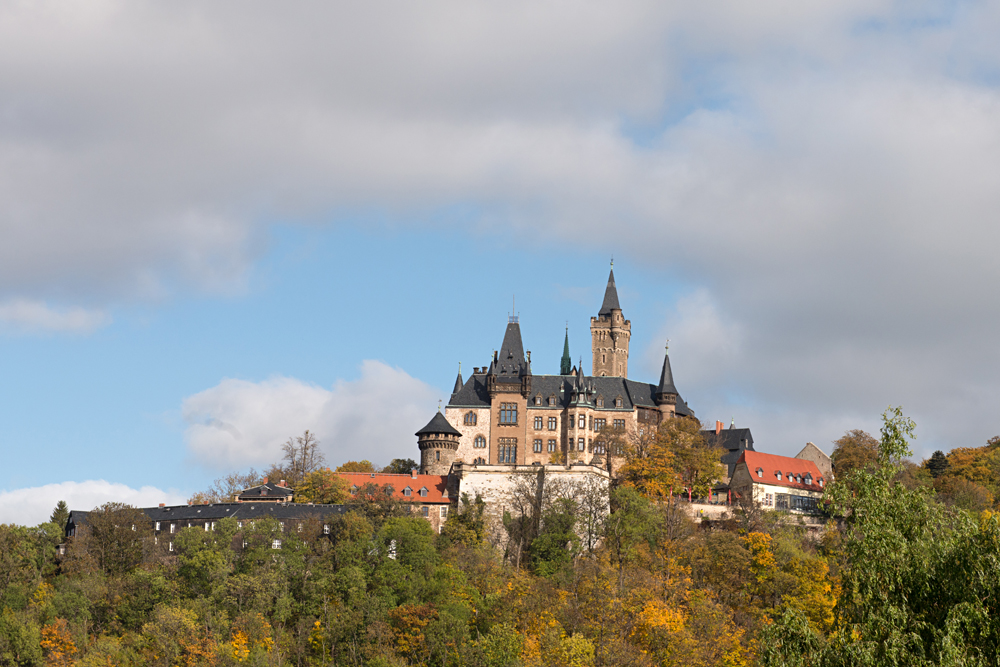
(427, 494)
(778, 482)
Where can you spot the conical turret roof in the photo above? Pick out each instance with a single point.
(666, 385)
(610, 296)
(438, 425)
(458, 382)
(566, 364)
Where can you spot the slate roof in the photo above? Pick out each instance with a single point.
(734, 440)
(610, 296)
(509, 364)
(458, 383)
(643, 394)
(770, 464)
(436, 485)
(666, 385)
(438, 424)
(269, 491)
(217, 511)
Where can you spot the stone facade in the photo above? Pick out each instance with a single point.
(813, 453)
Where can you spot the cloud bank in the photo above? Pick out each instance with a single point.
(24, 316)
(825, 174)
(238, 424)
(32, 506)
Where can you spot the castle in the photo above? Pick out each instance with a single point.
(505, 415)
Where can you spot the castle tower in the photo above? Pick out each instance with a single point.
(438, 442)
(610, 333)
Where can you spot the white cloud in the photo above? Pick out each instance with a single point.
(34, 505)
(26, 316)
(238, 424)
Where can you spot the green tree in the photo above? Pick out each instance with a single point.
(937, 464)
(401, 467)
(553, 550)
(117, 536)
(854, 450)
(59, 516)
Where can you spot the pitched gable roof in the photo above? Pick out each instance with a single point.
(771, 464)
(436, 485)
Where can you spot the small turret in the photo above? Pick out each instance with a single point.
(666, 392)
(438, 442)
(566, 364)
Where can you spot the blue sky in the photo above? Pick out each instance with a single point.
(221, 225)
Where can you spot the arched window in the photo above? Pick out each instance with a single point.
(479, 442)
(479, 461)
(470, 418)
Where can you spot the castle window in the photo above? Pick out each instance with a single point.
(552, 399)
(582, 445)
(538, 423)
(508, 413)
(479, 461)
(599, 424)
(553, 423)
(479, 442)
(600, 401)
(552, 445)
(619, 402)
(470, 418)
(444, 511)
(619, 424)
(583, 422)
(407, 491)
(599, 447)
(437, 456)
(538, 445)
(426, 512)
(538, 399)
(507, 450)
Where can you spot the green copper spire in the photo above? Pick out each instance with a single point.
(566, 366)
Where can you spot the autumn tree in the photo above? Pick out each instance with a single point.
(363, 465)
(323, 486)
(672, 458)
(854, 450)
(225, 489)
(301, 456)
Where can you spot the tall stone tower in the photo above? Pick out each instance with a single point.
(438, 442)
(610, 333)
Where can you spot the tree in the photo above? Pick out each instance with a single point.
(363, 465)
(399, 467)
(59, 516)
(854, 450)
(225, 489)
(323, 486)
(937, 464)
(117, 536)
(302, 456)
(674, 458)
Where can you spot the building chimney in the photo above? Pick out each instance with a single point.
(163, 504)
(264, 482)
(281, 483)
(413, 474)
(718, 427)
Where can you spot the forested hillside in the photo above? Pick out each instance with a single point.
(897, 578)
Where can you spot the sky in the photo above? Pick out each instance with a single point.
(223, 224)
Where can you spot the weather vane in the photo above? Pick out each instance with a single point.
(667, 345)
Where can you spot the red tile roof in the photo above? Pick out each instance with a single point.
(435, 485)
(771, 464)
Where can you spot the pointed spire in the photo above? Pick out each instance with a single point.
(666, 386)
(610, 296)
(458, 381)
(565, 366)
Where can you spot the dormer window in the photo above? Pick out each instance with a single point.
(552, 399)
(423, 492)
(820, 482)
(600, 401)
(760, 472)
(354, 489)
(808, 479)
(619, 402)
(407, 491)
(538, 399)
(777, 473)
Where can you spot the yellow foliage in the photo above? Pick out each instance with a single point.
(57, 644)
